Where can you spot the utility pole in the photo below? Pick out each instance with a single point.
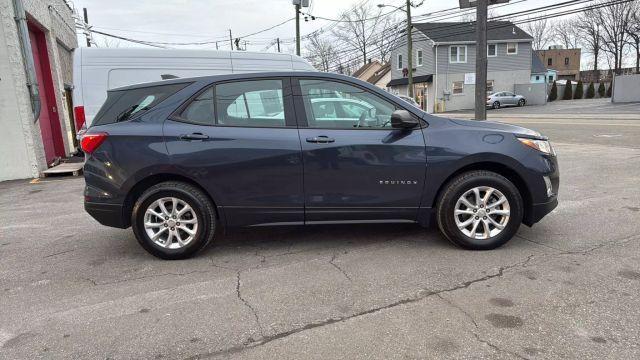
(230, 39)
(298, 28)
(481, 60)
(278, 41)
(86, 21)
(409, 51)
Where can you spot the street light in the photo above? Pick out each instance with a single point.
(407, 10)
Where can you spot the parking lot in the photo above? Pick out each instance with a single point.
(566, 288)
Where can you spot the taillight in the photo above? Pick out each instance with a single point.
(90, 142)
(78, 113)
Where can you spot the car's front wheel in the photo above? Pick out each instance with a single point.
(173, 220)
(496, 105)
(480, 210)
(521, 102)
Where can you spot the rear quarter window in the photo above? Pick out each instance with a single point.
(123, 105)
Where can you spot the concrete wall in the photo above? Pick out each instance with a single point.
(535, 94)
(503, 81)
(21, 148)
(626, 88)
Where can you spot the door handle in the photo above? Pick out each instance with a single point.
(193, 136)
(322, 139)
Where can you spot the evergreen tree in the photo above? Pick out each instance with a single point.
(568, 91)
(591, 91)
(601, 89)
(553, 94)
(579, 90)
(609, 89)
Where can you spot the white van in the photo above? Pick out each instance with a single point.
(96, 70)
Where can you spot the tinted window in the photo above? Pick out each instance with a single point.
(330, 104)
(123, 105)
(250, 103)
(200, 110)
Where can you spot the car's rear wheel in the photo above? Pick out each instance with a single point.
(173, 220)
(496, 105)
(480, 210)
(521, 102)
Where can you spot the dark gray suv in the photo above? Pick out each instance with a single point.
(177, 160)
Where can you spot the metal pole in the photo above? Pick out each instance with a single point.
(216, 45)
(86, 22)
(278, 40)
(409, 50)
(481, 60)
(230, 39)
(298, 29)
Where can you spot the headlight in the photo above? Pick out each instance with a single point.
(540, 145)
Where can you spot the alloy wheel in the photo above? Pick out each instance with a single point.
(170, 222)
(482, 212)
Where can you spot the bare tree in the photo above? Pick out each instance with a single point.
(387, 37)
(633, 29)
(566, 33)
(358, 27)
(320, 52)
(541, 32)
(614, 20)
(108, 42)
(591, 38)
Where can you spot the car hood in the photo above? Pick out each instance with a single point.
(491, 125)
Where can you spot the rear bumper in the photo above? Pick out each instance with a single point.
(107, 214)
(538, 211)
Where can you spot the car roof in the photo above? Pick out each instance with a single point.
(239, 76)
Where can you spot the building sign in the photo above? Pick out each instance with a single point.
(469, 78)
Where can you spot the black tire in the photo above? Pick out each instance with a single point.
(461, 184)
(496, 104)
(521, 102)
(195, 198)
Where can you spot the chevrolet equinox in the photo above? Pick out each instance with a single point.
(179, 159)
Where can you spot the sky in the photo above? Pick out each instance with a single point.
(210, 20)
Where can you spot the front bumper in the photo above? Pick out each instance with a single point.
(538, 211)
(107, 214)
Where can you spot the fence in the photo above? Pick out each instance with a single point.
(626, 88)
(536, 94)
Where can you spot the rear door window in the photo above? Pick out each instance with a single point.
(253, 103)
(123, 105)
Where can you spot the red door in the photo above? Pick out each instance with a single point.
(48, 120)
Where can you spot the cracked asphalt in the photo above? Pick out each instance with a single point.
(566, 288)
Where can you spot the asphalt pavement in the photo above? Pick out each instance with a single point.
(566, 288)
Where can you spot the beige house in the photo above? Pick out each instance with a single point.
(375, 73)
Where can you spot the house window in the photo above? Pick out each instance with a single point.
(492, 50)
(537, 77)
(399, 61)
(566, 61)
(512, 48)
(419, 58)
(458, 87)
(549, 62)
(489, 86)
(458, 54)
(550, 78)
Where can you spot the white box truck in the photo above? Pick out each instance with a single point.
(96, 70)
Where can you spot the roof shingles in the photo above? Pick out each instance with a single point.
(466, 31)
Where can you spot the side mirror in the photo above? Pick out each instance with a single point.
(402, 119)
